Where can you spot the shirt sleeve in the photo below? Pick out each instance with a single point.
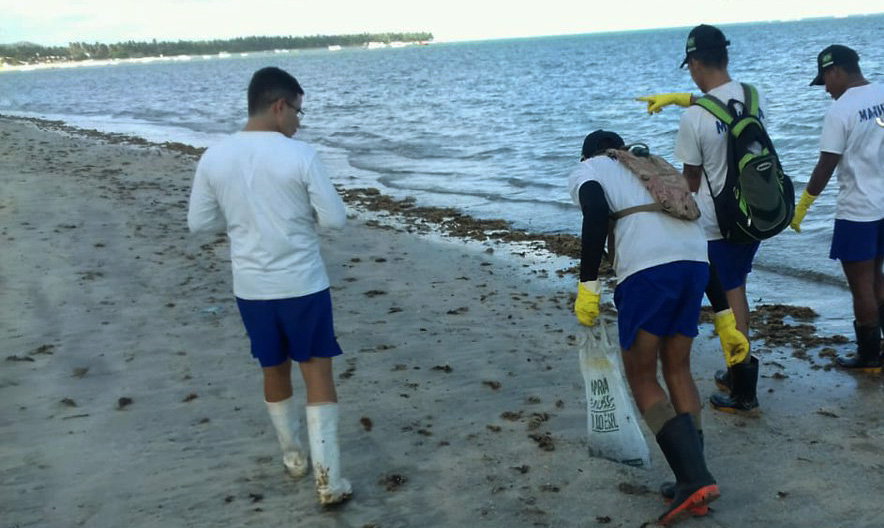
(204, 212)
(594, 230)
(324, 198)
(687, 144)
(834, 136)
(579, 175)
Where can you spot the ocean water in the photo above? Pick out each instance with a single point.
(492, 127)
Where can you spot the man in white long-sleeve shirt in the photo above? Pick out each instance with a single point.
(270, 192)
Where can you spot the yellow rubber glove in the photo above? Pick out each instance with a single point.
(657, 102)
(801, 210)
(733, 343)
(587, 305)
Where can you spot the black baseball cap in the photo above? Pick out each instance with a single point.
(703, 37)
(834, 55)
(600, 141)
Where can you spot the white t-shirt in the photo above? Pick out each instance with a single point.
(854, 128)
(702, 140)
(270, 192)
(641, 240)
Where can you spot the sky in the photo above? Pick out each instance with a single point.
(58, 22)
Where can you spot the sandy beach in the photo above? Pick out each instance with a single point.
(128, 396)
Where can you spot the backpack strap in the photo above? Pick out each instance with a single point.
(715, 107)
(750, 107)
(750, 99)
(652, 207)
(723, 113)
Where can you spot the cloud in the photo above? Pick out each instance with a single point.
(54, 22)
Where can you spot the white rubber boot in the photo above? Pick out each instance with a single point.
(285, 420)
(322, 428)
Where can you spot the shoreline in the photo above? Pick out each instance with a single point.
(127, 394)
(451, 223)
(88, 63)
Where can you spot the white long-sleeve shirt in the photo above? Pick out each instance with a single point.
(270, 192)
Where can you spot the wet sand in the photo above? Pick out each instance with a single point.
(128, 396)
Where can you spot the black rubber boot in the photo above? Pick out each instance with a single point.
(695, 487)
(667, 489)
(723, 379)
(881, 324)
(868, 350)
(744, 382)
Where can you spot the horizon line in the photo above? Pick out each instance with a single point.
(436, 39)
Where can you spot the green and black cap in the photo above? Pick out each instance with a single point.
(834, 55)
(703, 37)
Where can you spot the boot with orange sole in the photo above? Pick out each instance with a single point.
(695, 487)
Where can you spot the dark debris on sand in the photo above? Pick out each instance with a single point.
(782, 325)
(768, 321)
(393, 481)
(454, 223)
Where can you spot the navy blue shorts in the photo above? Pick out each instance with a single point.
(663, 300)
(298, 328)
(857, 241)
(733, 262)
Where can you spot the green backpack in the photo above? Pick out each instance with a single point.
(758, 198)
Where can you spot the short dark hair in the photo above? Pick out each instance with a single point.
(270, 84)
(713, 57)
(599, 141)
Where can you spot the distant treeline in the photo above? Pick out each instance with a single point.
(28, 53)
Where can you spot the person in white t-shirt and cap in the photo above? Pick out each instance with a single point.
(661, 267)
(702, 145)
(270, 193)
(852, 144)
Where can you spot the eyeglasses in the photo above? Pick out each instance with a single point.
(298, 111)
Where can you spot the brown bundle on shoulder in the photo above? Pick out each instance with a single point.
(665, 183)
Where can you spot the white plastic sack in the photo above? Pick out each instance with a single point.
(614, 432)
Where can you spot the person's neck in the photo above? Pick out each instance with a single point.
(714, 79)
(856, 80)
(260, 124)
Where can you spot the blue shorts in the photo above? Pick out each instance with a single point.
(733, 262)
(663, 300)
(857, 241)
(298, 328)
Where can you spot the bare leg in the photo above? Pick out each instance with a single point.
(861, 279)
(319, 380)
(640, 363)
(278, 382)
(879, 280)
(676, 360)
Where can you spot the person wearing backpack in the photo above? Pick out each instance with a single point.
(661, 268)
(703, 145)
(853, 143)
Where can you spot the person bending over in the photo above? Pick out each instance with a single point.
(661, 268)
